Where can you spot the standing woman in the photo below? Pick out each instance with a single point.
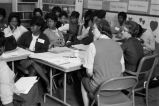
(14, 26)
(102, 61)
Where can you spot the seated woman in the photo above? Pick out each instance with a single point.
(132, 47)
(83, 33)
(71, 28)
(37, 42)
(102, 60)
(14, 26)
(7, 85)
(54, 35)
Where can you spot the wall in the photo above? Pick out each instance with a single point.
(5, 1)
(7, 5)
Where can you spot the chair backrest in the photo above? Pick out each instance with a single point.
(119, 83)
(114, 86)
(146, 63)
(146, 67)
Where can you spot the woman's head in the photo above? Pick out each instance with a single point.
(56, 10)
(37, 12)
(122, 18)
(130, 29)
(74, 17)
(2, 14)
(51, 20)
(37, 24)
(14, 19)
(2, 43)
(63, 17)
(101, 27)
(88, 18)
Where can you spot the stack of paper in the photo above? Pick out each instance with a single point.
(80, 47)
(24, 84)
(59, 49)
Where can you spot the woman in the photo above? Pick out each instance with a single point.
(83, 34)
(14, 26)
(132, 47)
(54, 35)
(8, 89)
(37, 42)
(38, 12)
(102, 60)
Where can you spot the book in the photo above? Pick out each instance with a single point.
(24, 84)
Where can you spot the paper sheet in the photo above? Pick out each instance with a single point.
(24, 84)
(118, 6)
(154, 9)
(80, 47)
(141, 6)
(95, 4)
(10, 54)
(59, 49)
(154, 1)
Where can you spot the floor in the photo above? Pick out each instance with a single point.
(74, 98)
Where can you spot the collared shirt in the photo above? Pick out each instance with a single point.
(7, 87)
(90, 55)
(16, 33)
(33, 42)
(149, 40)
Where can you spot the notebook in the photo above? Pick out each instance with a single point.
(24, 84)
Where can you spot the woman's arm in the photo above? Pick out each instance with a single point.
(89, 59)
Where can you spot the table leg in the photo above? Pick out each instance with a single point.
(64, 87)
(13, 66)
(51, 81)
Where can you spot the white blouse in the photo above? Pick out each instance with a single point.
(16, 33)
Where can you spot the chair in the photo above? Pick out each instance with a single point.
(110, 92)
(144, 74)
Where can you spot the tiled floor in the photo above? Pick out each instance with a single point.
(74, 98)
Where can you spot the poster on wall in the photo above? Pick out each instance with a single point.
(154, 9)
(154, 1)
(111, 18)
(111, 0)
(141, 6)
(118, 6)
(95, 4)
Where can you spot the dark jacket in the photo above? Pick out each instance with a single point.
(25, 40)
(133, 52)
